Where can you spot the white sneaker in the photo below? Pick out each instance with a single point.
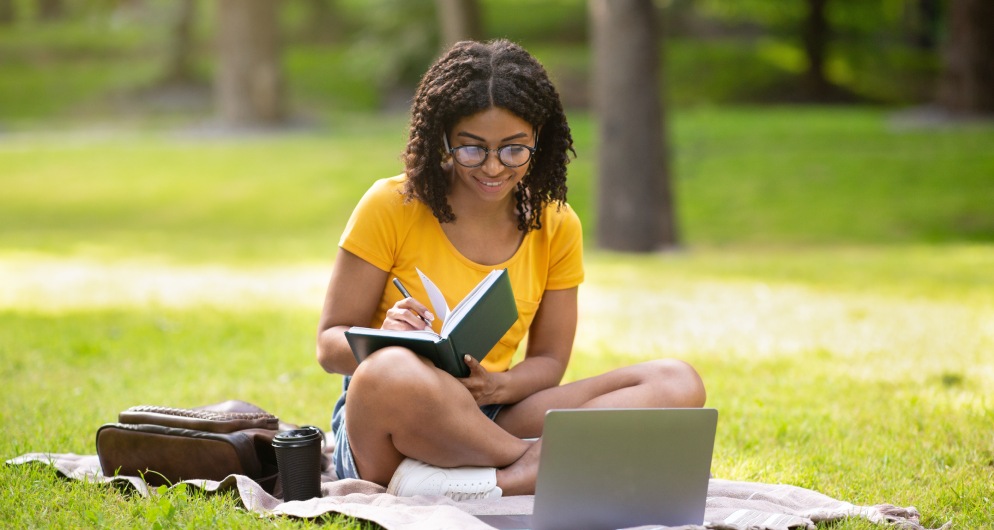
(414, 477)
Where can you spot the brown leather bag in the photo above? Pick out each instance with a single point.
(166, 445)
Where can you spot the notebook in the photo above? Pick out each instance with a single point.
(620, 468)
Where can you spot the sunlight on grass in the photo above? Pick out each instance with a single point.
(621, 311)
(51, 285)
(629, 311)
(865, 395)
(753, 321)
(835, 292)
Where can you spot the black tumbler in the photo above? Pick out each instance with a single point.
(298, 455)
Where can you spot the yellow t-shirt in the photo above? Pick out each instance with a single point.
(396, 235)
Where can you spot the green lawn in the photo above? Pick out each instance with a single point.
(836, 293)
(752, 176)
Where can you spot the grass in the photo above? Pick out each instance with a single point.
(835, 293)
(902, 183)
(767, 177)
(867, 395)
(835, 290)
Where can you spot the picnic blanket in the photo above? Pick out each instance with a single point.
(731, 505)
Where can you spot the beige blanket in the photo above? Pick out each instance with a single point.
(731, 505)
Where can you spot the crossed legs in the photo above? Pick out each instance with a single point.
(399, 405)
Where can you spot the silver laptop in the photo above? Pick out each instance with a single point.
(620, 468)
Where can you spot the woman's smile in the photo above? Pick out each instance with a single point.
(490, 129)
(492, 185)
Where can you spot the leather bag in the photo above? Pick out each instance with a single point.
(166, 445)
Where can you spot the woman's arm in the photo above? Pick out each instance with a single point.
(550, 344)
(353, 293)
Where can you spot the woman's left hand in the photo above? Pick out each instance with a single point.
(481, 383)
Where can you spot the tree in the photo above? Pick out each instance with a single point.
(924, 17)
(824, 31)
(249, 78)
(7, 13)
(815, 36)
(324, 21)
(459, 20)
(967, 85)
(50, 9)
(635, 200)
(179, 63)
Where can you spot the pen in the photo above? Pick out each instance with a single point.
(403, 291)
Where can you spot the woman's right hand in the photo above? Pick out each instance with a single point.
(406, 315)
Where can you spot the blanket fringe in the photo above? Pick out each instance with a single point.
(905, 518)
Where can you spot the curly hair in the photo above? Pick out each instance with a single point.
(472, 77)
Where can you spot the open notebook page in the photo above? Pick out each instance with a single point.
(438, 304)
(452, 317)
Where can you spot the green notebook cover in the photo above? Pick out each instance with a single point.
(473, 328)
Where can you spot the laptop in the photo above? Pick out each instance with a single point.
(620, 468)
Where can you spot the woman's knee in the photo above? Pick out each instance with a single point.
(389, 370)
(679, 378)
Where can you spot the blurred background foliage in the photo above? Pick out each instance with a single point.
(758, 157)
(111, 56)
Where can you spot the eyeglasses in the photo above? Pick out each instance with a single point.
(511, 155)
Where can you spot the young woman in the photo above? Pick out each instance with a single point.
(484, 188)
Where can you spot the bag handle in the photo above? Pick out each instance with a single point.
(198, 419)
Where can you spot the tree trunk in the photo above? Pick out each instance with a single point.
(179, 64)
(459, 20)
(815, 36)
(967, 85)
(50, 9)
(635, 200)
(249, 78)
(7, 14)
(924, 18)
(324, 22)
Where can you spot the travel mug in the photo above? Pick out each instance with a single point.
(298, 456)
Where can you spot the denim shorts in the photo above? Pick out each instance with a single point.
(343, 458)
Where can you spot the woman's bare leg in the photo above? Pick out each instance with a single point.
(399, 405)
(653, 384)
